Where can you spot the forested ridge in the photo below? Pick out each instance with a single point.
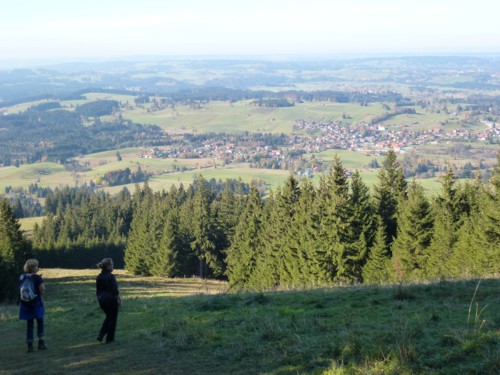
(59, 135)
(300, 235)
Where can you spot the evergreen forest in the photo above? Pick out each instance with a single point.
(299, 235)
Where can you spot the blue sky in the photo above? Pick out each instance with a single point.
(57, 29)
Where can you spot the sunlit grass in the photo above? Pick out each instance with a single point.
(193, 326)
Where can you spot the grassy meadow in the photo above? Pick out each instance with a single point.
(193, 326)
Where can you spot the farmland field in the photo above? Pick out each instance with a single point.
(240, 117)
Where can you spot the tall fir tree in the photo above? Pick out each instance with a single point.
(279, 212)
(335, 231)
(204, 231)
(447, 220)
(140, 246)
(246, 243)
(362, 222)
(478, 247)
(389, 190)
(378, 268)
(168, 257)
(13, 251)
(415, 224)
(299, 251)
(279, 221)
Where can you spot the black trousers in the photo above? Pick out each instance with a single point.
(108, 328)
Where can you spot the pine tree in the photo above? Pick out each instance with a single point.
(13, 251)
(389, 190)
(447, 213)
(478, 246)
(205, 232)
(335, 231)
(227, 209)
(362, 222)
(270, 264)
(168, 257)
(265, 274)
(410, 248)
(246, 243)
(299, 252)
(377, 269)
(140, 244)
(278, 212)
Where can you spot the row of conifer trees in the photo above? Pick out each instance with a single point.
(300, 235)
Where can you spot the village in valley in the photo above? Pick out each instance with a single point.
(370, 139)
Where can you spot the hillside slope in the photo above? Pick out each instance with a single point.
(191, 326)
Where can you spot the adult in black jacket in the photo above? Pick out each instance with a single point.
(109, 299)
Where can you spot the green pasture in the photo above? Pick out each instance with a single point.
(28, 224)
(22, 107)
(241, 116)
(194, 326)
(55, 175)
(218, 116)
(271, 178)
(44, 174)
(350, 159)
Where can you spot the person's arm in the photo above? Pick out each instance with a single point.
(39, 284)
(114, 289)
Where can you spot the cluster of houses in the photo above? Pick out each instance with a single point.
(363, 137)
(321, 136)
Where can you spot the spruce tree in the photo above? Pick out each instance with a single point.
(378, 268)
(362, 222)
(278, 213)
(335, 232)
(265, 274)
(477, 251)
(246, 243)
(168, 260)
(389, 190)
(205, 232)
(299, 252)
(13, 251)
(270, 266)
(447, 220)
(415, 223)
(140, 244)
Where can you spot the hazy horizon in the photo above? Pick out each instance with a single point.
(56, 30)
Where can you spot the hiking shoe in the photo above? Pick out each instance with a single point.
(41, 345)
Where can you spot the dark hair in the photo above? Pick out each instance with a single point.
(105, 263)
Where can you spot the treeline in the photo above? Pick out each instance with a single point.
(301, 235)
(83, 224)
(122, 177)
(97, 108)
(340, 233)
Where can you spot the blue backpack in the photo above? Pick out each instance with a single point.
(27, 288)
